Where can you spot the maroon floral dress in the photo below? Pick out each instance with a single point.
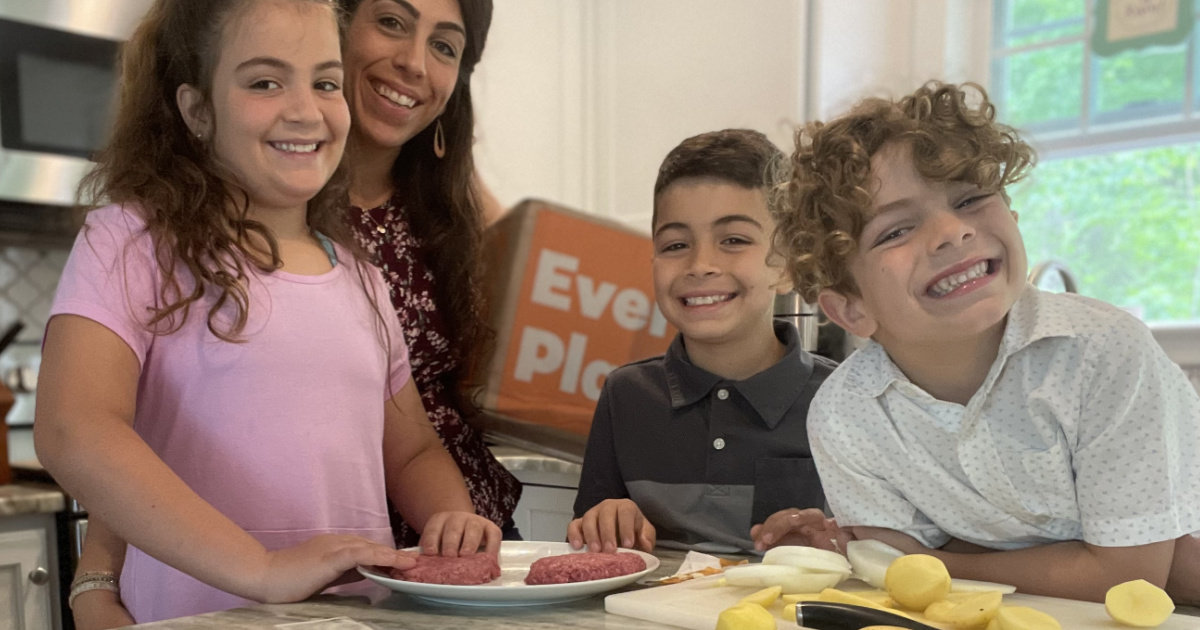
(385, 234)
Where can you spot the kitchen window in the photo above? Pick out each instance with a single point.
(1116, 193)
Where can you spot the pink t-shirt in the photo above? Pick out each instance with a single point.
(282, 433)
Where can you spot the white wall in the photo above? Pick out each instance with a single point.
(890, 47)
(579, 100)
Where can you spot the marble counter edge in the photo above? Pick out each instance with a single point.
(30, 498)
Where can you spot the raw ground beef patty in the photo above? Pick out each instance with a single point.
(478, 568)
(582, 567)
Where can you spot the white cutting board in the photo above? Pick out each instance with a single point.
(695, 604)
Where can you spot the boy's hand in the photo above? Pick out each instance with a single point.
(294, 573)
(794, 526)
(100, 610)
(610, 521)
(454, 534)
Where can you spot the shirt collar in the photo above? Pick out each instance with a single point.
(771, 392)
(1035, 315)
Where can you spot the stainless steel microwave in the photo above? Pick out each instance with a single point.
(57, 77)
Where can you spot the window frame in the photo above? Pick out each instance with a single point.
(1085, 136)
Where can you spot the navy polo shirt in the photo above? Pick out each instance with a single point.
(704, 457)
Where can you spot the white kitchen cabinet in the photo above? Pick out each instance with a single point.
(544, 512)
(28, 573)
(549, 485)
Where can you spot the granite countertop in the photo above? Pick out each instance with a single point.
(30, 498)
(400, 611)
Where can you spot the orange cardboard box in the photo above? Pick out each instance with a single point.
(572, 298)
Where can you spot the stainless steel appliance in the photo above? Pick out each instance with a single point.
(71, 524)
(790, 308)
(57, 74)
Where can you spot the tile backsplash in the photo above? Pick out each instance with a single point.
(28, 279)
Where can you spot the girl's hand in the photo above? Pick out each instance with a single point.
(100, 610)
(794, 526)
(456, 534)
(294, 573)
(612, 522)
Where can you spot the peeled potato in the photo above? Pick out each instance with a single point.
(915, 581)
(801, 597)
(763, 598)
(1023, 618)
(970, 613)
(1138, 603)
(790, 579)
(854, 599)
(870, 560)
(745, 617)
(879, 597)
(807, 558)
(883, 628)
(975, 586)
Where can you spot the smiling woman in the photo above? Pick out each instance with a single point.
(417, 211)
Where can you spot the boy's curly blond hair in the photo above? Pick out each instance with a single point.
(825, 203)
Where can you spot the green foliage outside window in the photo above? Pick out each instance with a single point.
(1127, 223)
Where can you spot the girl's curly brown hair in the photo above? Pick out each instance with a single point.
(826, 202)
(194, 211)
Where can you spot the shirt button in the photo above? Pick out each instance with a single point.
(719, 443)
(722, 394)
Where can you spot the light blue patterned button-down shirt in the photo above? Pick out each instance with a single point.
(1082, 430)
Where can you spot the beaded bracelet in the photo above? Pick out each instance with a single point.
(90, 581)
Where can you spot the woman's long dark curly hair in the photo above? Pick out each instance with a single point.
(194, 210)
(445, 213)
(827, 201)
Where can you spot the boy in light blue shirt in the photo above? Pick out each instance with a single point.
(1035, 439)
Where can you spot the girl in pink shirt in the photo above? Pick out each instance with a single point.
(220, 386)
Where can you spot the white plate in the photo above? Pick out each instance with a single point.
(510, 588)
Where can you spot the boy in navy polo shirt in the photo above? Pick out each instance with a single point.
(692, 448)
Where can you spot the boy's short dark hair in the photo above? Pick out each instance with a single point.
(739, 156)
(826, 201)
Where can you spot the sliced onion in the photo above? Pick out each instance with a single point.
(808, 558)
(871, 559)
(789, 579)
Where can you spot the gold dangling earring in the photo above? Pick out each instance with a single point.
(439, 140)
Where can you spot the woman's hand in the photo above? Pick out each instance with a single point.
(295, 573)
(794, 526)
(99, 609)
(610, 521)
(456, 534)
